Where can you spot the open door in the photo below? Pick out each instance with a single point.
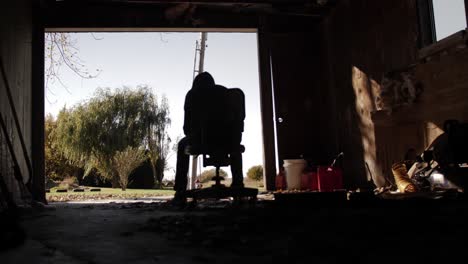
(301, 97)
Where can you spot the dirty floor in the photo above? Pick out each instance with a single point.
(219, 232)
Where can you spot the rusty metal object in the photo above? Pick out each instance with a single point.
(402, 180)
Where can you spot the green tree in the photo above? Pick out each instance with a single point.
(255, 173)
(57, 167)
(126, 161)
(158, 140)
(207, 175)
(92, 132)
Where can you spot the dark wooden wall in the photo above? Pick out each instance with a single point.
(365, 39)
(16, 54)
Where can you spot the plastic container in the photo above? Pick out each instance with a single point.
(293, 170)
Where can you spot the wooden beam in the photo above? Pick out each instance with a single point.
(266, 102)
(443, 44)
(427, 31)
(103, 16)
(289, 2)
(37, 108)
(466, 12)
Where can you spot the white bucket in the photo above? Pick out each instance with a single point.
(293, 170)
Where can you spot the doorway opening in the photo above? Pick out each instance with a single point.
(87, 71)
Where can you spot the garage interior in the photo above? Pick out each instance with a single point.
(325, 66)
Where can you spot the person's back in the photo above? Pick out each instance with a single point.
(213, 122)
(206, 115)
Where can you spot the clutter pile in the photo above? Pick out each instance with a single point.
(297, 175)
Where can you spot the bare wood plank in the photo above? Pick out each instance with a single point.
(466, 12)
(37, 106)
(295, 2)
(266, 101)
(448, 42)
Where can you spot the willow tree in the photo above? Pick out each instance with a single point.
(158, 140)
(112, 120)
(57, 167)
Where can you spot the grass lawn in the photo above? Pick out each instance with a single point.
(110, 193)
(105, 193)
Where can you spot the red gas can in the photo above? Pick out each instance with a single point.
(329, 178)
(313, 181)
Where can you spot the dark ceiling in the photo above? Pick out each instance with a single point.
(314, 8)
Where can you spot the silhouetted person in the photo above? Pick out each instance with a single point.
(215, 113)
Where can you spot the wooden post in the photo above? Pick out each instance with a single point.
(427, 30)
(266, 102)
(466, 12)
(37, 106)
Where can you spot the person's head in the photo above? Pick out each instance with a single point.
(203, 80)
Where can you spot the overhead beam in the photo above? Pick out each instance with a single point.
(305, 2)
(285, 7)
(150, 29)
(131, 17)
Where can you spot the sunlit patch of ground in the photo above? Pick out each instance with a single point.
(118, 194)
(105, 194)
(247, 182)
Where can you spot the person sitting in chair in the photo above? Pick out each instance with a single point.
(209, 113)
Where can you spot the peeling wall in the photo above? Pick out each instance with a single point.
(374, 38)
(441, 72)
(15, 51)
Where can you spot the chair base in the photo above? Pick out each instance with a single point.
(221, 191)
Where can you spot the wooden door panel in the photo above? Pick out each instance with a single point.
(294, 62)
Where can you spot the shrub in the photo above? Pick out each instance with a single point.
(69, 183)
(255, 173)
(207, 175)
(126, 161)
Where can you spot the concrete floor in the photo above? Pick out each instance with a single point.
(155, 232)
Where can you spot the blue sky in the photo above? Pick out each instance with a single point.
(449, 17)
(165, 61)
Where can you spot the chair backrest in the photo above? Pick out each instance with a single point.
(221, 125)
